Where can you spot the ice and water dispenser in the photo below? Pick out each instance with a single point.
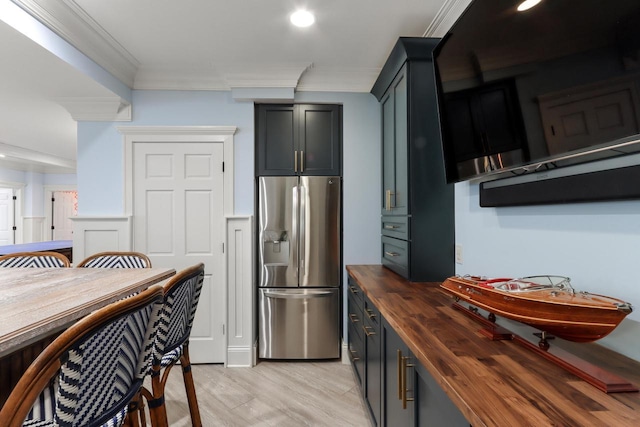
(275, 248)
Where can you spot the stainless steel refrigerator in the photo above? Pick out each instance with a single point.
(299, 267)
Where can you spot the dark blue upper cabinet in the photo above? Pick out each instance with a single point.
(299, 139)
(417, 203)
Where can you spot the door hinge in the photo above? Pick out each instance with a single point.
(15, 228)
(222, 247)
(223, 331)
(53, 227)
(222, 166)
(15, 197)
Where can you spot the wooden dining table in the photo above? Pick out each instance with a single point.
(36, 304)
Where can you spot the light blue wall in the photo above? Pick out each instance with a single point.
(596, 244)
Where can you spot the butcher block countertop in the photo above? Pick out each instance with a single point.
(496, 383)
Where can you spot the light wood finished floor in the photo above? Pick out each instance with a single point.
(270, 394)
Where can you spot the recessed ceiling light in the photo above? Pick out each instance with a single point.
(302, 18)
(527, 4)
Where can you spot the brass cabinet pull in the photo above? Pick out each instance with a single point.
(391, 227)
(354, 318)
(295, 161)
(367, 332)
(405, 365)
(353, 355)
(388, 194)
(370, 313)
(301, 161)
(353, 290)
(392, 254)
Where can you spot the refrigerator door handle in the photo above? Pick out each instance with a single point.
(303, 233)
(300, 295)
(295, 229)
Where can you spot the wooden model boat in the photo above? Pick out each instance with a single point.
(548, 303)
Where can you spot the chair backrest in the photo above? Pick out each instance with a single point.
(181, 296)
(96, 366)
(34, 259)
(116, 260)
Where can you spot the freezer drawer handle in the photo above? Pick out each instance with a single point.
(273, 294)
(392, 254)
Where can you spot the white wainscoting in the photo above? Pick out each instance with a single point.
(239, 251)
(33, 229)
(93, 234)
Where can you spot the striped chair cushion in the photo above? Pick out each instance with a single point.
(117, 261)
(172, 357)
(30, 261)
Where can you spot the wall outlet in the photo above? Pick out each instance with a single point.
(458, 254)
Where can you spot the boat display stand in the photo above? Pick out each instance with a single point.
(592, 374)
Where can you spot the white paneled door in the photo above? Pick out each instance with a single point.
(178, 221)
(6, 216)
(64, 208)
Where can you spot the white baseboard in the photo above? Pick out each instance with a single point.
(345, 353)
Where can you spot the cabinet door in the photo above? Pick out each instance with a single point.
(320, 135)
(276, 141)
(396, 413)
(434, 408)
(373, 387)
(394, 148)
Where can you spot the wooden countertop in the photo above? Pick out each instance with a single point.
(496, 383)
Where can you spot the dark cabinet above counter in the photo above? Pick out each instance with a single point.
(299, 139)
(417, 203)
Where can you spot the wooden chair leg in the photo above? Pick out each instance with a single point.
(190, 388)
(155, 400)
(135, 414)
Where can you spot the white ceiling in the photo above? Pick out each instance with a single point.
(188, 44)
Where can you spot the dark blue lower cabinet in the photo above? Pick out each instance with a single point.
(433, 406)
(398, 378)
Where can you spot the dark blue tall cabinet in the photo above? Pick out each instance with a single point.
(417, 204)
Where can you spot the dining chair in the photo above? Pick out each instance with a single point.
(116, 260)
(89, 374)
(44, 259)
(181, 295)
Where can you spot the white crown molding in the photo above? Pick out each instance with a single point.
(24, 159)
(73, 24)
(264, 75)
(333, 79)
(97, 109)
(446, 17)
